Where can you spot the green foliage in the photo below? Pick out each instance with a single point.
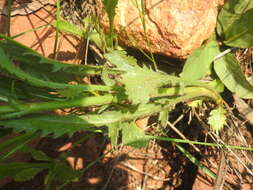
(130, 91)
(164, 117)
(113, 132)
(21, 171)
(140, 83)
(231, 12)
(133, 135)
(239, 34)
(52, 124)
(36, 154)
(27, 174)
(110, 6)
(217, 118)
(203, 56)
(66, 26)
(9, 147)
(230, 73)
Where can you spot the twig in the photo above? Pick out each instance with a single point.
(222, 170)
(144, 173)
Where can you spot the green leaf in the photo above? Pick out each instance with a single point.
(164, 117)
(133, 135)
(64, 173)
(27, 174)
(52, 124)
(36, 154)
(14, 144)
(240, 34)
(8, 66)
(12, 169)
(231, 13)
(59, 125)
(66, 26)
(217, 85)
(217, 118)
(18, 90)
(113, 132)
(229, 71)
(199, 63)
(140, 83)
(110, 6)
(26, 56)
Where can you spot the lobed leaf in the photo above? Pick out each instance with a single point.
(11, 68)
(217, 118)
(26, 56)
(140, 83)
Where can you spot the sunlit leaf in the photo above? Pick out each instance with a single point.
(229, 71)
(240, 33)
(113, 132)
(217, 118)
(133, 135)
(140, 82)
(230, 13)
(199, 63)
(66, 26)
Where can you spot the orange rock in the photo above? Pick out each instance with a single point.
(173, 27)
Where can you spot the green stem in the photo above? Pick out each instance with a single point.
(9, 17)
(52, 105)
(200, 143)
(190, 93)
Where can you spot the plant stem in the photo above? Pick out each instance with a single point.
(52, 105)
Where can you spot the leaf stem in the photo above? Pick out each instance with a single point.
(52, 105)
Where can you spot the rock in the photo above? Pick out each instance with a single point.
(173, 27)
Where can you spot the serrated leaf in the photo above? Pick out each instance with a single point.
(140, 83)
(113, 132)
(12, 69)
(133, 135)
(240, 34)
(43, 65)
(230, 13)
(27, 174)
(106, 78)
(229, 71)
(217, 118)
(200, 61)
(60, 125)
(19, 90)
